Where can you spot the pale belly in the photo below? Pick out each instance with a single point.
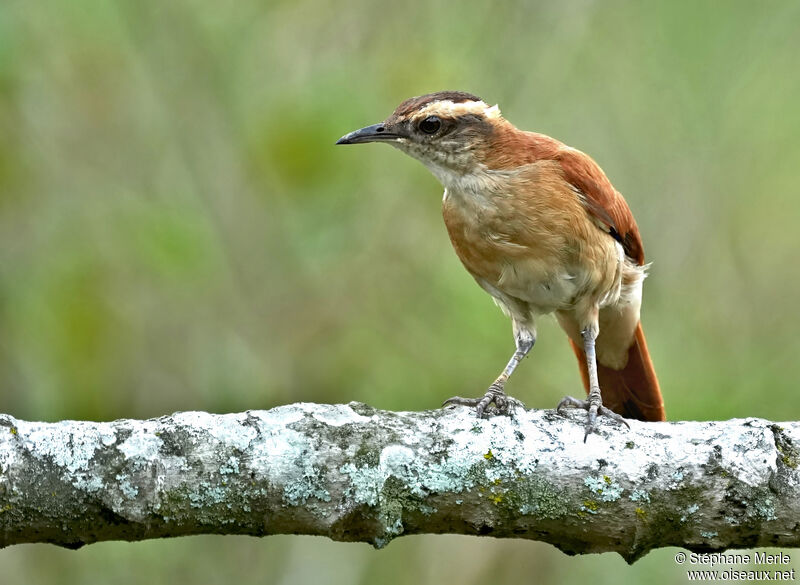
(537, 283)
(532, 288)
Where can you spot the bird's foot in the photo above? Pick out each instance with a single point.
(503, 403)
(595, 408)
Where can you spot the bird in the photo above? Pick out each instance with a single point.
(540, 227)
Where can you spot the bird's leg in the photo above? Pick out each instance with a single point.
(524, 338)
(594, 403)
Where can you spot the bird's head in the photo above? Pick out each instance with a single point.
(451, 132)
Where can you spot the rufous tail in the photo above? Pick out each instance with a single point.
(632, 391)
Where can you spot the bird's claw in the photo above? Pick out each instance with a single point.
(495, 395)
(595, 408)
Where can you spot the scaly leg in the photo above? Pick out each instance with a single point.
(594, 404)
(525, 337)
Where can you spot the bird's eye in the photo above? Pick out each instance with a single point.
(430, 125)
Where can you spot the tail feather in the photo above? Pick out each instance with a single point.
(632, 391)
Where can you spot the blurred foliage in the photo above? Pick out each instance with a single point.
(178, 232)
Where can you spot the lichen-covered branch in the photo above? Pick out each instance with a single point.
(353, 473)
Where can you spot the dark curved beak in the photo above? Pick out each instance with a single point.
(374, 133)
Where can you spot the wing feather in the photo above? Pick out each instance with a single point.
(602, 200)
(514, 148)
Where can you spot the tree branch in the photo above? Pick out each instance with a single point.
(354, 473)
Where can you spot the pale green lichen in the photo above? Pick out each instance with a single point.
(92, 484)
(69, 445)
(298, 493)
(608, 490)
(535, 496)
(765, 509)
(364, 483)
(128, 490)
(230, 429)
(207, 494)
(141, 447)
(231, 466)
(688, 511)
(336, 415)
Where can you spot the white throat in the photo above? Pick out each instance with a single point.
(479, 183)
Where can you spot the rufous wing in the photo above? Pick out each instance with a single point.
(604, 203)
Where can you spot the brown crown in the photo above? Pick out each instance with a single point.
(415, 103)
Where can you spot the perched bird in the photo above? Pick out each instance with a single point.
(542, 230)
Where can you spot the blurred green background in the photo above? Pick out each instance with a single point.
(177, 230)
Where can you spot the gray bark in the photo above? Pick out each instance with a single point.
(354, 473)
